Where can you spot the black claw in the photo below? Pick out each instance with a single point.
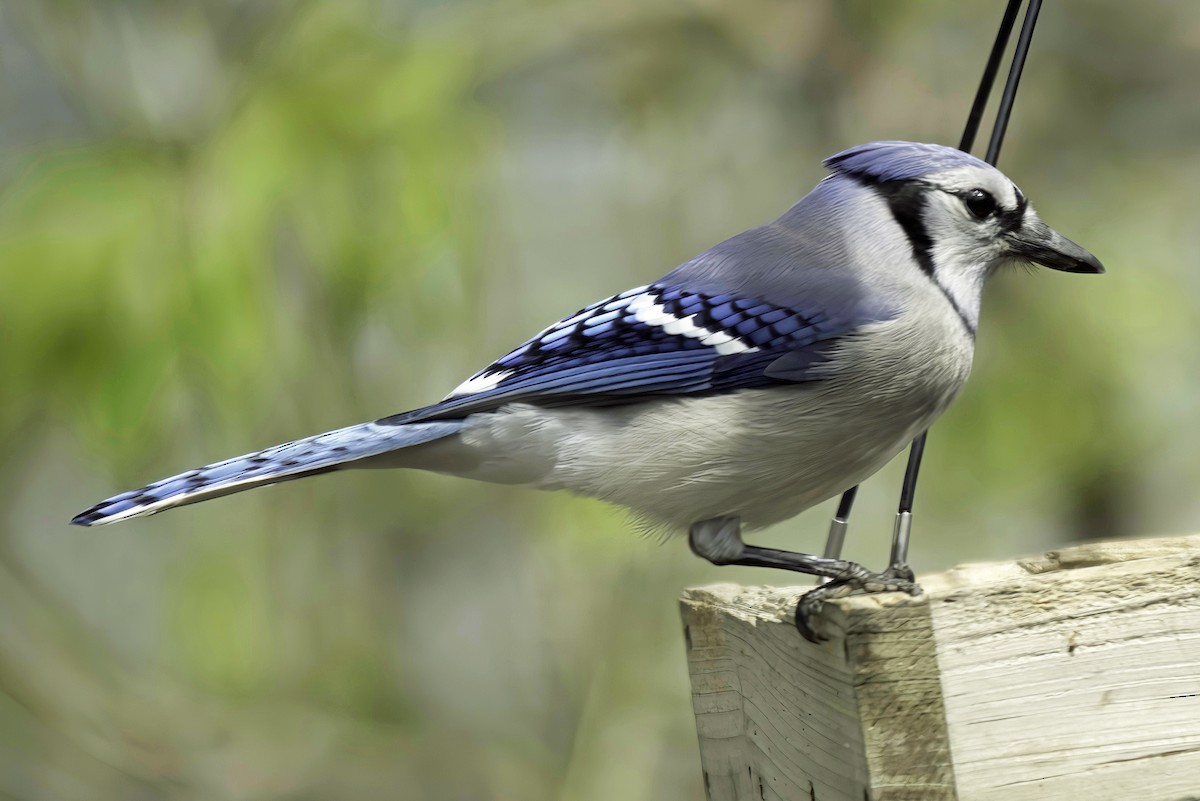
(902, 572)
(803, 615)
(809, 605)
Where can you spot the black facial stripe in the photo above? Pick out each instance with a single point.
(906, 200)
(1012, 219)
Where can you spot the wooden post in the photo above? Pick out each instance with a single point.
(1068, 677)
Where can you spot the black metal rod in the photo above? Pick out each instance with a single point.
(847, 502)
(837, 527)
(1014, 80)
(989, 76)
(908, 490)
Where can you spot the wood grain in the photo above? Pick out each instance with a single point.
(1075, 675)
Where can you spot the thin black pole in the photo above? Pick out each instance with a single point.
(989, 76)
(837, 530)
(1014, 80)
(908, 489)
(837, 527)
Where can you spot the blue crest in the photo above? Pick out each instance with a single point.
(899, 161)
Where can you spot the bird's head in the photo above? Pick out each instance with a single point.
(963, 216)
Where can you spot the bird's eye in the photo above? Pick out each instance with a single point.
(979, 203)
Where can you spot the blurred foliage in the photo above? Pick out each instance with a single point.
(230, 223)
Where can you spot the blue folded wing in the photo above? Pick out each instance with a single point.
(653, 340)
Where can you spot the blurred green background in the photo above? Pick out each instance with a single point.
(230, 223)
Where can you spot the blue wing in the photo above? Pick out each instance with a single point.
(653, 340)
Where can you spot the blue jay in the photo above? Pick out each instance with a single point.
(767, 374)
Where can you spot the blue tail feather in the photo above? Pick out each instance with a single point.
(291, 460)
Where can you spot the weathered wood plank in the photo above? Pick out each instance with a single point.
(1073, 675)
(775, 718)
(1073, 683)
(781, 719)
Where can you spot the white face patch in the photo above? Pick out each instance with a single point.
(648, 311)
(992, 181)
(962, 251)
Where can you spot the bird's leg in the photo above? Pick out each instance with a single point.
(719, 540)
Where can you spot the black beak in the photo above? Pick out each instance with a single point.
(1042, 245)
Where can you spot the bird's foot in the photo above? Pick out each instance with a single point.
(901, 571)
(898, 578)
